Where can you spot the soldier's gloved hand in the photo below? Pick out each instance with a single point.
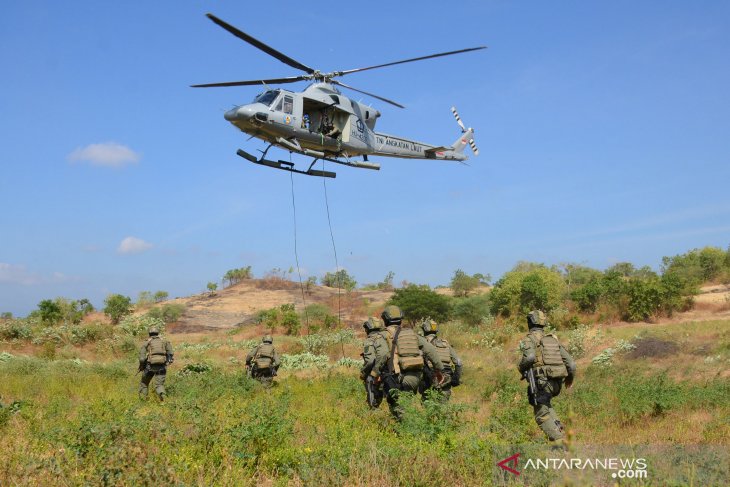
(569, 382)
(438, 377)
(378, 380)
(362, 375)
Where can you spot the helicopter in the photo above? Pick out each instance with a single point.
(322, 123)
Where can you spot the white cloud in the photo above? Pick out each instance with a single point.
(133, 245)
(107, 154)
(18, 274)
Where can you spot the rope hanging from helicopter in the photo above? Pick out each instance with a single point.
(334, 249)
(296, 253)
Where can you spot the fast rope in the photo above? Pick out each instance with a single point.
(334, 248)
(296, 254)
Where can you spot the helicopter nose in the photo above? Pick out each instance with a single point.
(239, 114)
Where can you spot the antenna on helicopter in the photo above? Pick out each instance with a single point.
(474, 148)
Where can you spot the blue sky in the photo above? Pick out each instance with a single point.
(603, 132)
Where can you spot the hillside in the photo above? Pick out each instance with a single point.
(240, 303)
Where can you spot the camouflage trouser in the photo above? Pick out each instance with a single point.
(159, 372)
(544, 413)
(393, 385)
(428, 383)
(265, 376)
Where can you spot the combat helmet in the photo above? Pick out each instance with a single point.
(267, 339)
(373, 323)
(536, 318)
(392, 315)
(429, 326)
(154, 331)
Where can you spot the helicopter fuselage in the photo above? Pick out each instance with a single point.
(321, 122)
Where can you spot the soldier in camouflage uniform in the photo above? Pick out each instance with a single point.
(551, 365)
(154, 357)
(449, 359)
(263, 361)
(403, 369)
(375, 350)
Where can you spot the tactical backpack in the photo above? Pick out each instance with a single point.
(156, 351)
(264, 356)
(405, 351)
(443, 349)
(548, 360)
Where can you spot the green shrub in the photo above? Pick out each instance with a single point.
(304, 361)
(576, 341)
(588, 296)
(50, 312)
(317, 343)
(340, 279)
(169, 312)
(16, 330)
(117, 307)
(419, 302)
(639, 397)
(473, 310)
(234, 276)
(431, 418)
(139, 325)
(284, 316)
(196, 368)
(319, 316)
(528, 286)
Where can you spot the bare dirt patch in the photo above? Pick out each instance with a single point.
(651, 347)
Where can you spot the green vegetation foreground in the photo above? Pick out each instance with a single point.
(76, 422)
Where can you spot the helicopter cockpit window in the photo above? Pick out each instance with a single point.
(288, 104)
(267, 97)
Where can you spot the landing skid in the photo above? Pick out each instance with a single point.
(288, 166)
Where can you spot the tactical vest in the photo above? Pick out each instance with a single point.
(443, 349)
(264, 356)
(156, 351)
(548, 360)
(407, 354)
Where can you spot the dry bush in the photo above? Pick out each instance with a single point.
(272, 282)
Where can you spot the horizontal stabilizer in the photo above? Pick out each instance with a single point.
(434, 150)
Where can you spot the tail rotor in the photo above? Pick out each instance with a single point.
(465, 130)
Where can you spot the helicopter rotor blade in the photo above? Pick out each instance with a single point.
(291, 79)
(260, 45)
(335, 82)
(474, 147)
(342, 73)
(458, 119)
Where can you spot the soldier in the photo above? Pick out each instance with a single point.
(449, 359)
(154, 357)
(546, 365)
(375, 351)
(403, 369)
(263, 361)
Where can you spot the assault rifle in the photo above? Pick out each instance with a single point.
(530, 376)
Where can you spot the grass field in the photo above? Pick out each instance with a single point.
(71, 415)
